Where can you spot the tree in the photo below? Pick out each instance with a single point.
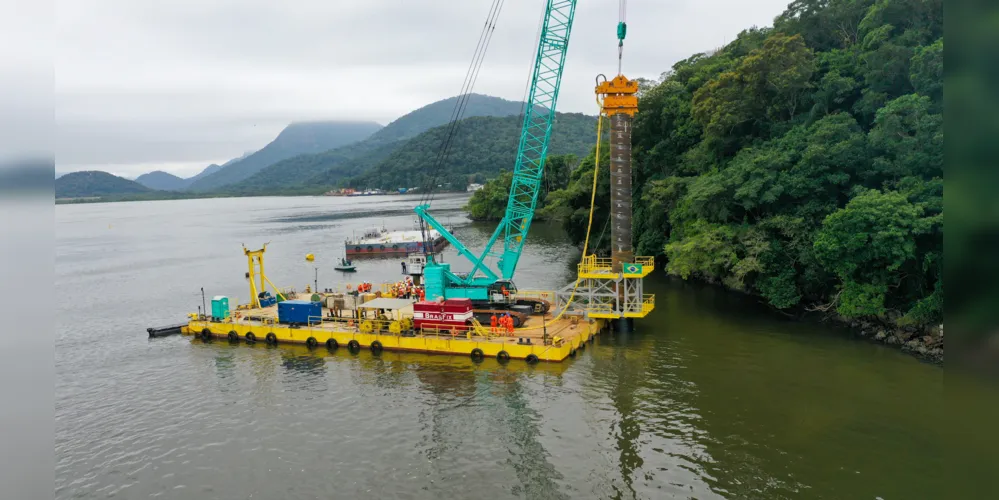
(926, 73)
(866, 243)
(767, 86)
(909, 139)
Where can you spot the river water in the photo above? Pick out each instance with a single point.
(712, 397)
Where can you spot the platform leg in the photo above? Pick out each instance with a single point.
(623, 325)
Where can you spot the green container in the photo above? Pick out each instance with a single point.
(220, 306)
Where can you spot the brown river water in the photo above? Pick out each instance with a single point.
(713, 395)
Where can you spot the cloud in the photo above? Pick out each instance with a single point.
(177, 82)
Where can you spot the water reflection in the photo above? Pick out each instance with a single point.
(519, 426)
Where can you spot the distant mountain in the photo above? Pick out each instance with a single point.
(482, 147)
(326, 168)
(95, 183)
(211, 169)
(162, 181)
(295, 139)
(439, 113)
(234, 160)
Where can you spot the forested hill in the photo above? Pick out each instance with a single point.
(439, 113)
(482, 147)
(162, 181)
(802, 163)
(95, 184)
(295, 139)
(316, 172)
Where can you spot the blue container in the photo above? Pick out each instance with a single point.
(299, 312)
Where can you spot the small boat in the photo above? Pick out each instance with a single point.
(345, 266)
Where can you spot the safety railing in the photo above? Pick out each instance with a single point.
(647, 304)
(600, 308)
(592, 264)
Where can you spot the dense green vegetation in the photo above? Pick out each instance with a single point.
(482, 146)
(802, 163)
(294, 140)
(489, 203)
(95, 183)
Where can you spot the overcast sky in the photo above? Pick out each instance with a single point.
(175, 85)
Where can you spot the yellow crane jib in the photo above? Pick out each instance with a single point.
(618, 95)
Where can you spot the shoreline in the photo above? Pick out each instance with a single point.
(924, 342)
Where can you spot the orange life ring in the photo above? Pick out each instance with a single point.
(350, 323)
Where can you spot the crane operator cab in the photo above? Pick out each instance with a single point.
(501, 291)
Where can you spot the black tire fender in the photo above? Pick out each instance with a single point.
(477, 354)
(376, 346)
(250, 337)
(332, 344)
(531, 359)
(353, 346)
(311, 342)
(234, 337)
(206, 335)
(271, 338)
(503, 356)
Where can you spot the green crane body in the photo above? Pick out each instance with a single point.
(483, 281)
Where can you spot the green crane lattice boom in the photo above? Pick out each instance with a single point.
(528, 169)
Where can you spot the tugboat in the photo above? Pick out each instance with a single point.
(345, 265)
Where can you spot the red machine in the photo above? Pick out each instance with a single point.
(455, 314)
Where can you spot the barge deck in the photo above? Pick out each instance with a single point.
(541, 338)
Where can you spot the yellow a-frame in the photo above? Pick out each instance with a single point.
(255, 258)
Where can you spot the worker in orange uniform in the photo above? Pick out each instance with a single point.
(493, 320)
(509, 324)
(506, 293)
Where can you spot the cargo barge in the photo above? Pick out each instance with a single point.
(392, 243)
(377, 322)
(391, 317)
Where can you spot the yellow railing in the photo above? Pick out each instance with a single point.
(600, 308)
(591, 264)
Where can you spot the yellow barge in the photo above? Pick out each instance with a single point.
(381, 321)
(542, 338)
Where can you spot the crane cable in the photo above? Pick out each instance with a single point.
(622, 30)
(459, 110)
(457, 113)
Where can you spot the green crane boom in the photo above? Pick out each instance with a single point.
(527, 172)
